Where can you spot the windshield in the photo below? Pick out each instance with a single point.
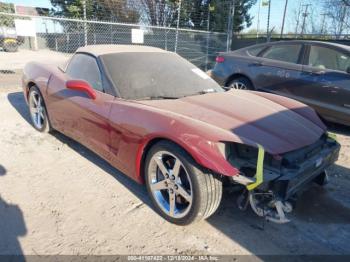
(154, 75)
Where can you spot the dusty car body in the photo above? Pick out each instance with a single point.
(315, 73)
(183, 142)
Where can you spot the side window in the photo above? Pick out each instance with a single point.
(85, 67)
(327, 58)
(284, 53)
(254, 51)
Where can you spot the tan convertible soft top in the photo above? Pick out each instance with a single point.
(98, 50)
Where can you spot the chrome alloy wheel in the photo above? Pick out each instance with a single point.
(37, 110)
(170, 184)
(238, 85)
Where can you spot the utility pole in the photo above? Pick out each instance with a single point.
(268, 23)
(230, 26)
(178, 25)
(284, 18)
(208, 40)
(258, 24)
(305, 14)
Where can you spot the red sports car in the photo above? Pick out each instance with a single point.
(163, 122)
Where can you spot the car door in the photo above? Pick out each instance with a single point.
(82, 118)
(278, 68)
(326, 80)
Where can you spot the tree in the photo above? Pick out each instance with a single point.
(159, 12)
(195, 13)
(242, 18)
(4, 19)
(346, 2)
(116, 10)
(337, 12)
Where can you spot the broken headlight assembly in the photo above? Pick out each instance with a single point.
(271, 181)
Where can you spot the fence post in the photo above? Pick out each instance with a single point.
(67, 41)
(56, 45)
(178, 25)
(166, 39)
(208, 37)
(85, 25)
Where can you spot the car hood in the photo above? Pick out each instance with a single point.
(251, 117)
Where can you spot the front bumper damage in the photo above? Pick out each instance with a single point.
(271, 182)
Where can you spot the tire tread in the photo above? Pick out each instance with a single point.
(208, 186)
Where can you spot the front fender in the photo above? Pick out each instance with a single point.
(205, 152)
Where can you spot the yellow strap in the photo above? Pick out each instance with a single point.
(10, 40)
(332, 136)
(259, 169)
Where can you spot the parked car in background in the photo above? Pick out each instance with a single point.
(9, 41)
(315, 73)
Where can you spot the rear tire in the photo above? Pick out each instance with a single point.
(38, 112)
(322, 179)
(203, 190)
(241, 83)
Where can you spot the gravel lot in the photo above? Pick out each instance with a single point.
(11, 64)
(17, 60)
(57, 197)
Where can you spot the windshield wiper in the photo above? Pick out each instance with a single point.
(157, 97)
(207, 91)
(203, 92)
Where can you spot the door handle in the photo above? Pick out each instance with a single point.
(256, 63)
(313, 73)
(318, 73)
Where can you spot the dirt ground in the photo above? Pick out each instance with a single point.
(11, 64)
(57, 197)
(17, 60)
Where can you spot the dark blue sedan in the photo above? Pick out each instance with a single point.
(315, 73)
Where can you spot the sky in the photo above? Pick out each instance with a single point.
(276, 17)
(277, 8)
(37, 3)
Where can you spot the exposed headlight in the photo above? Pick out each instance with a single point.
(222, 149)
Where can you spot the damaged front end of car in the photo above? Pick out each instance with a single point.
(273, 182)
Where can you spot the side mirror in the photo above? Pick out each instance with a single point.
(83, 86)
(348, 70)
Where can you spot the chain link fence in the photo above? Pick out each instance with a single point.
(195, 30)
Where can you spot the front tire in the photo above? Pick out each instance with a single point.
(38, 111)
(181, 191)
(241, 83)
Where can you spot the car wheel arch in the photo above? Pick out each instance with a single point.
(144, 150)
(238, 75)
(28, 87)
